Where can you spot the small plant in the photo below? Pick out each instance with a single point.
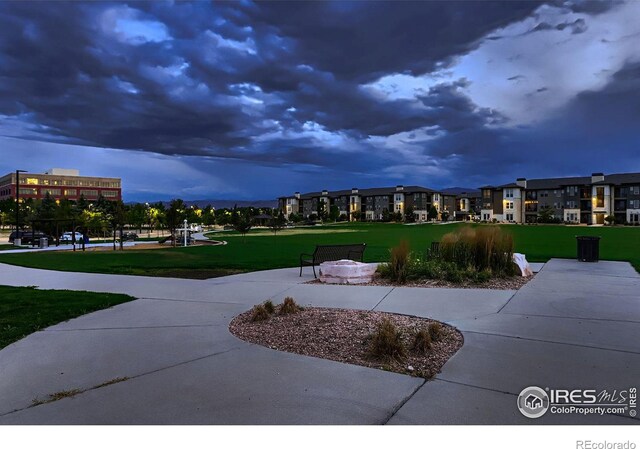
(259, 313)
(386, 342)
(269, 307)
(436, 331)
(289, 306)
(422, 341)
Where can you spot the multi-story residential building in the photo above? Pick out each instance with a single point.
(60, 184)
(369, 204)
(586, 199)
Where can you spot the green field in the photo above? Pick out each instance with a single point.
(261, 250)
(24, 310)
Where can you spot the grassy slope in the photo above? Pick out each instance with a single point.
(261, 250)
(24, 310)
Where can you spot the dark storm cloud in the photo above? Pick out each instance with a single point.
(279, 84)
(64, 71)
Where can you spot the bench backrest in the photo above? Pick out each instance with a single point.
(328, 253)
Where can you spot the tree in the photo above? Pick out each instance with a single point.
(356, 215)
(386, 216)
(610, 219)
(241, 222)
(433, 213)
(409, 215)
(277, 222)
(546, 215)
(174, 217)
(295, 218)
(334, 213)
(208, 215)
(445, 215)
(137, 216)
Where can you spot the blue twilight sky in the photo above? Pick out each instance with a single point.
(252, 100)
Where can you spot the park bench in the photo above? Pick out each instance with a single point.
(329, 253)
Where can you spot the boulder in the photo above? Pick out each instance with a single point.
(521, 261)
(347, 272)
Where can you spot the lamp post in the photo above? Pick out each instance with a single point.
(18, 206)
(185, 233)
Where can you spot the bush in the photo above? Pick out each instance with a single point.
(435, 331)
(269, 307)
(259, 313)
(486, 248)
(386, 342)
(422, 341)
(289, 306)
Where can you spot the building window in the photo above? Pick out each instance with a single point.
(509, 205)
(635, 190)
(28, 191)
(599, 196)
(508, 193)
(109, 193)
(509, 217)
(70, 192)
(89, 193)
(634, 204)
(32, 181)
(52, 192)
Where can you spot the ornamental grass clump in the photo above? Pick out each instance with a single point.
(386, 342)
(421, 341)
(398, 263)
(289, 306)
(269, 307)
(435, 331)
(482, 249)
(259, 313)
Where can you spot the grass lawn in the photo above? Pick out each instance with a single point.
(261, 250)
(24, 310)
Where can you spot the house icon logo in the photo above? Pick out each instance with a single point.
(533, 402)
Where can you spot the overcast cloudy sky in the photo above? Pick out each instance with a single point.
(252, 100)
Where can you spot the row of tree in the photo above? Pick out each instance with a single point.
(101, 217)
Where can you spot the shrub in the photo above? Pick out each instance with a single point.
(269, 307)
(422, 341)
(289, 306)
(435, 331)
(386, 342)
(398, 263)
(484, 248)
(259, 313)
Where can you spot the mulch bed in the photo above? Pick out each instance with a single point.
(509, 283)
(344, 336)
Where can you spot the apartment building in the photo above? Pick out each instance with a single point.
(373, 203)
(60, 184)
(586, 199)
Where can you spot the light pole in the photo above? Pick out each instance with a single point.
(17, 236)
(185, 233)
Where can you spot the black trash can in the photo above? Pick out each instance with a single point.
(588, 248)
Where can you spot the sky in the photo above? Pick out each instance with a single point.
(255, 100)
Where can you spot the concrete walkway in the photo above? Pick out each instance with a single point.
(168, 358)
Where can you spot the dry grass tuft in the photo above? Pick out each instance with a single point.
(289, 306)
(422, 341)
(259, 313)
(386, 342)
(436, 331)
(269, 307)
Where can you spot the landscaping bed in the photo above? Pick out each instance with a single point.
(506, 283)
(351, 336)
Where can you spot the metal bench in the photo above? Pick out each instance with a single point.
(328, 253)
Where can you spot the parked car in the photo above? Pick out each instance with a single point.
(129, 236)
(67, 237)
(29, 237)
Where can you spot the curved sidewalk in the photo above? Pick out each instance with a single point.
(168, 358)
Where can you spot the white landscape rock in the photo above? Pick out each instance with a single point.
(521, 261)
(347, 272)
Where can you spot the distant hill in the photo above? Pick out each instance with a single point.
(221, 204)
(459, 190)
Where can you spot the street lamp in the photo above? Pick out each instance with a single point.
(18, 206)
